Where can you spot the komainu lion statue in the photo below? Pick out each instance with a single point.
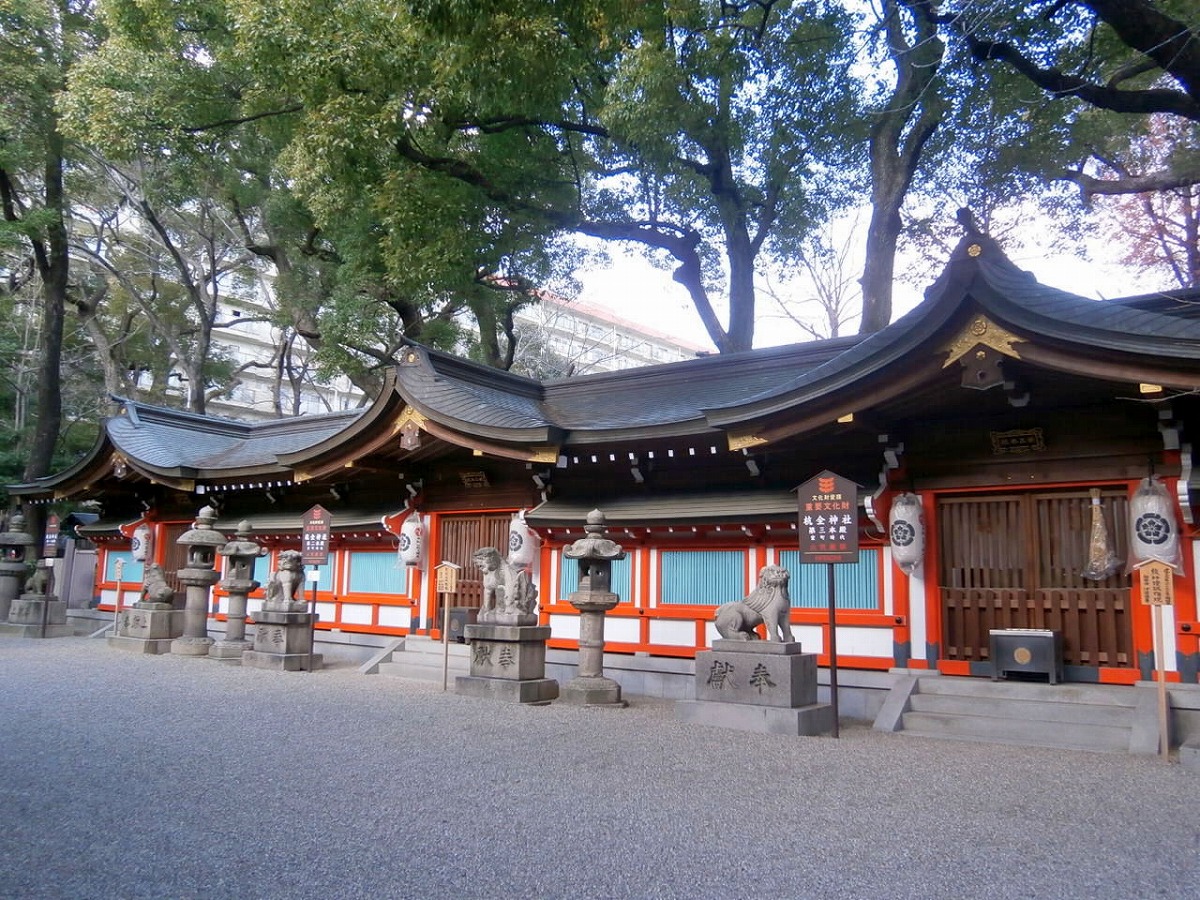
(768, 604)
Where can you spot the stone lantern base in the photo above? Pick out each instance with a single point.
(592, 690)
(28, 612)
(229, 652)
(757, 686)
(147, 628)
(508, 662)
(283, 641)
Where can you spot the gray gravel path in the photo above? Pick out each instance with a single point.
(166, 777)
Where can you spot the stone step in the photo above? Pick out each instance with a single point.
(1038, 710)
(1089, 694)
(421, 659)
(1067, 736)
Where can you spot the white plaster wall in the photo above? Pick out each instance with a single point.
(875, 642)
(327, 611)
(356, 614)
(916, 609)
(888, 585)
(673, 632)
(564, 627)
(395, 616)
(811, 638)
(623, 630)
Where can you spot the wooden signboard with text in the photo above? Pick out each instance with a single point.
(828, 519)
(314, 536)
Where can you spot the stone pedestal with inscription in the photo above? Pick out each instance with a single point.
(151, 624)
(283, 640)
(37, 617)
(508, 662)
(757, 686)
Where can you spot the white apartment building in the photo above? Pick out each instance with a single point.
(572, 338)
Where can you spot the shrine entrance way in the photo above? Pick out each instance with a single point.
(1016, 561)
(459, 536)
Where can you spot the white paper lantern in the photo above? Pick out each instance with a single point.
(140, 542)
(522, 542)
(412, 539)
(1153, 531)
(906, 532)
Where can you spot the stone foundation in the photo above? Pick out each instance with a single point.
(282, 641)
(37, 616)
(757, 686)
(147, 629)
(508, 662)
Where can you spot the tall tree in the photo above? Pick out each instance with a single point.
(1125, 57)
(40, 41)
(902, 126)
(709, 133)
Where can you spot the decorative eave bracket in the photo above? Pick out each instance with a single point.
(980, 347)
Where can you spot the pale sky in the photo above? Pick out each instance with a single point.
(635, 290)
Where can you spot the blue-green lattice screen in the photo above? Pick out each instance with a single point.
(622, 577)
(702, 577)
(376, 573)
(855, 585)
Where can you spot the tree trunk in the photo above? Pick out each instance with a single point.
(895, 153)
(53, 261)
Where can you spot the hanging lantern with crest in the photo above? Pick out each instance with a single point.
(906, 532)
(1153, 531)
(522, 541)
(409, 531)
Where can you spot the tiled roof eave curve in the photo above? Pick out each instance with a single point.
(876, 352)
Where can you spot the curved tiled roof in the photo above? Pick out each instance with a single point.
(169, 439)
(1009, 293)
(472, 396)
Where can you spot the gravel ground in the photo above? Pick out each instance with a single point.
(133, 776)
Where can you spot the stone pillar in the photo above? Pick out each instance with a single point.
(37, 613)
(202, 542)
(594, 598)
(14, 565)
(241, 553)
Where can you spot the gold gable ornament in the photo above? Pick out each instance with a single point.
(981, 347)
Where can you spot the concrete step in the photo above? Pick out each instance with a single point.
(1045, 711)
(421, 660)
(1088, 694)
(1067, 736)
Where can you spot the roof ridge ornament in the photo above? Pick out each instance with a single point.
(979, 347)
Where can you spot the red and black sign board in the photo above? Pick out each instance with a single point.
(314, 536)
(828, 519)
(50, 540)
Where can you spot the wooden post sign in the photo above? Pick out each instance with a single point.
(1157, 581)
(314, 539)
(828, 527)
(446, 574)
(314, 551)
(50, 540)
(828, 519)
(1158, 584)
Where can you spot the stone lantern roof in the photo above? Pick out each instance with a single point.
(594, 545)
(203, 533)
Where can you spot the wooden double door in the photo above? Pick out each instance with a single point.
(459, 536)
(1017, 561)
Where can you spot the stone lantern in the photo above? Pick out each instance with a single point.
(14, 562)
(239, 581)
(594, 597)
(202, 543)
